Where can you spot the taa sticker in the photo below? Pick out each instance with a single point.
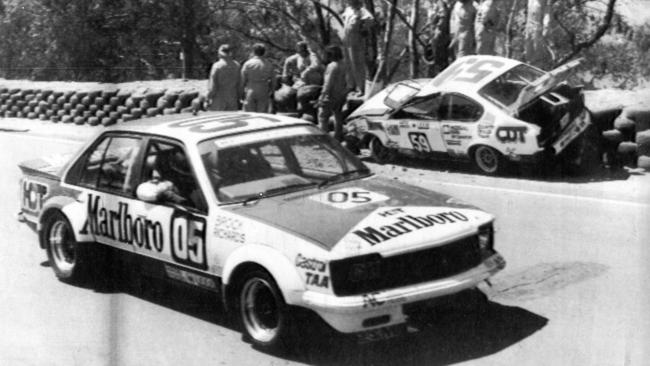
(32, 195)
(348, 197)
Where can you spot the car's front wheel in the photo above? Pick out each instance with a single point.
(379, 152)
(263, 312)
(68, 259)
(488, 160)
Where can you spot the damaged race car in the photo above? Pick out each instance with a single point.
(488, 109)
(268, 212)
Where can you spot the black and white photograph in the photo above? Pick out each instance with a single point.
(325, 182)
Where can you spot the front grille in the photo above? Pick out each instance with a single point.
(407, 269)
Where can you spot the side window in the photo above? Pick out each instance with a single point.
(90, 170)
(424, 109)
(314, 158)
(463, 109)
(167, 166)
(117, 164)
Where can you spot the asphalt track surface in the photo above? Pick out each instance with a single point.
(574, 292)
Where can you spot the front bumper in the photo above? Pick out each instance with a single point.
(349, 314)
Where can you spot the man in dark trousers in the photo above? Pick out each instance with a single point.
(224, 82)
(258, 80)
(333, 95)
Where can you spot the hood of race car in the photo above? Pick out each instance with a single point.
(368, 215)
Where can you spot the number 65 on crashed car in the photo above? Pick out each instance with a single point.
(267, 211)
(486, 108)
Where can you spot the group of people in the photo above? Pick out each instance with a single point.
(312, 86)
(253, 84)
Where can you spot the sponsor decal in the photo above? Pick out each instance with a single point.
(453, 129)
(370, 300)
(310, 264)
(392, 130)
(484, 131)
(403, 124)
(228, 228)
(186, 231)
(316, 279)
(419, 142)
(381, 334)
(405, 224)
(511, 134)
(423, 125)
(190, 278)
(375, 126)
(222, 122)
(120, 225)
(33, 194)
(348, 198)
(453, 142)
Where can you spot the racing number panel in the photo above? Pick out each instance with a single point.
(419, 142)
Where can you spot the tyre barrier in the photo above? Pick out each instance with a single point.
(95, 107)
(630, 137)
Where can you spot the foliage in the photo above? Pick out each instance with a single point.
(121, 40)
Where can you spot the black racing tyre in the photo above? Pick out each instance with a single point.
(69, 259)
(93, 121)
(487, 160)
(623, 123)
(152, 112)
(643, 162)
(643, 143)
(136, 112)
(626, 147)
(379, 152)
(262, 311)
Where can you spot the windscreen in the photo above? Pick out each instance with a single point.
(262, 164)
(505, 89)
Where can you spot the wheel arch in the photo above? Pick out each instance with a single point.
(275, 263)
(73, 212)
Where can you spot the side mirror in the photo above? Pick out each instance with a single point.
(147, 192)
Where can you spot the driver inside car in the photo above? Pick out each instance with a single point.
(158, 189)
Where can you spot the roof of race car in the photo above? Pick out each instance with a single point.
(207, 125)
(469, 74)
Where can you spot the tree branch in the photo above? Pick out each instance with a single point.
(602, 29)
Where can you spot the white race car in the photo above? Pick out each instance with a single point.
(485, 108)
(267, 211)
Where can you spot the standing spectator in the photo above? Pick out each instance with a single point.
(296, 64)
(224, 82)
(439, 17)
(462, 28)
(333, 95)
(487, 19)
(357, 25)
(258, 81)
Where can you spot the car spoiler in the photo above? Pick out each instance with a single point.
(50, 167)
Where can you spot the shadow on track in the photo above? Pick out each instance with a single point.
(515, 171)
(447, 334)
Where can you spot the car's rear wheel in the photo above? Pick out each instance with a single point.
(488, 160)
(68, 259)
(263, 312)
(379, 152)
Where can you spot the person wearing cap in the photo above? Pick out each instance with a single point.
(224, 82)
(258, 81)
(296, 64)
(334, 92)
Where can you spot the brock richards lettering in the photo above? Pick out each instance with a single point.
(405, 224)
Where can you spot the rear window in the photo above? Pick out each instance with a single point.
(505, 89)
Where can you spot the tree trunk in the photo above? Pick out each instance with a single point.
(509, 27)
(188, 39)
(413, 46)
(388, 36)
(534, 45)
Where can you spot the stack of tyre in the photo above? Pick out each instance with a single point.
(95, 107)
(630, 135)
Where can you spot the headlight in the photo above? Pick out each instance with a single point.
(486, 237)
